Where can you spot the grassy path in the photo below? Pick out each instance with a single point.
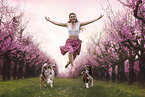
(64, 87)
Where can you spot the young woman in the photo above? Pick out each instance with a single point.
(73, 43)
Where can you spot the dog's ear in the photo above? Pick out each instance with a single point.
(52, 65)
(45, 64)
(82, 72)
(84, 66)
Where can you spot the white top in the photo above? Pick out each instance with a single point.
(74, 31)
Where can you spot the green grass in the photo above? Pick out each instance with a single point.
(67, 87)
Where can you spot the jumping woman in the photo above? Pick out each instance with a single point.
(73, 43)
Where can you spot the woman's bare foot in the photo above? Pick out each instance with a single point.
(72, 69)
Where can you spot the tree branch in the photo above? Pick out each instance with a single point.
(136, 10)
(130, 6)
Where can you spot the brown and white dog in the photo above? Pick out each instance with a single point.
(87, 76)
(47, 74)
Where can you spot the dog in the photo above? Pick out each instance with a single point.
(87, 76)
(47, 74)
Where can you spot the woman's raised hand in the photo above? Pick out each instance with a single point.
(101, 15)
(47, 18)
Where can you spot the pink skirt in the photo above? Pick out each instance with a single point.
(71, 45)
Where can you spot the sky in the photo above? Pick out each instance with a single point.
(51, 36)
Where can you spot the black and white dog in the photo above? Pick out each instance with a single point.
(47, 74)
(87, 76)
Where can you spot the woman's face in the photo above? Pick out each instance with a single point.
(72, 18)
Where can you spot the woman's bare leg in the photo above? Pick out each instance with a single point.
(74, 56)
(71, 58)
(67, 64)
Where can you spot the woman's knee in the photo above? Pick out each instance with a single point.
(70, 54)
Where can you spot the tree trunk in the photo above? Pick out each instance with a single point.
(142, 68)
(102, 74)
(27, 72)
(131, 70)
(0, 69)
(20, 72)
(6, 73)
(96, 73)
(107, 75)
(38, 72)
(15, 70)
(121, 74)
(113, 74)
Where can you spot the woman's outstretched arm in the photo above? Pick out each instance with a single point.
(56, 23)
(88, 22)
